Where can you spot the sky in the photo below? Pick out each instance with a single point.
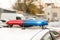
(8, 4)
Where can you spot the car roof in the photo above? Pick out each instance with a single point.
(18, 33)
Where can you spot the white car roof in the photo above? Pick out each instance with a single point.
(18, 34)
(40, 35)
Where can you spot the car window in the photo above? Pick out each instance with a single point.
(54, 32)
(46, 37)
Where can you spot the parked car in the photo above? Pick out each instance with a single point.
(3, 23)
(12, 16)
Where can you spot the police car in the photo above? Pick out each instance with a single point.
(26, 34)
(29, 33)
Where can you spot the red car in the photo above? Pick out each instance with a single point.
(15, 22)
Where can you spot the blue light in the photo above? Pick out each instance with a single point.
(35, 23)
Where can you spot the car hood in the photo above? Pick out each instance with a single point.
(17, 33)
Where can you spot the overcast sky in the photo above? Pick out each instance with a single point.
(7, 4)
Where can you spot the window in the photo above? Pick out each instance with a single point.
(48, 4)
(1, 10)
(20, 1)
(54, 14)
(48, 13)
(46, 37)
(34, 0)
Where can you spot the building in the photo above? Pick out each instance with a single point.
(53, 14)
(56, 13)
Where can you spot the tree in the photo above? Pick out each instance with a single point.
(20, 7)
(27, 7)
